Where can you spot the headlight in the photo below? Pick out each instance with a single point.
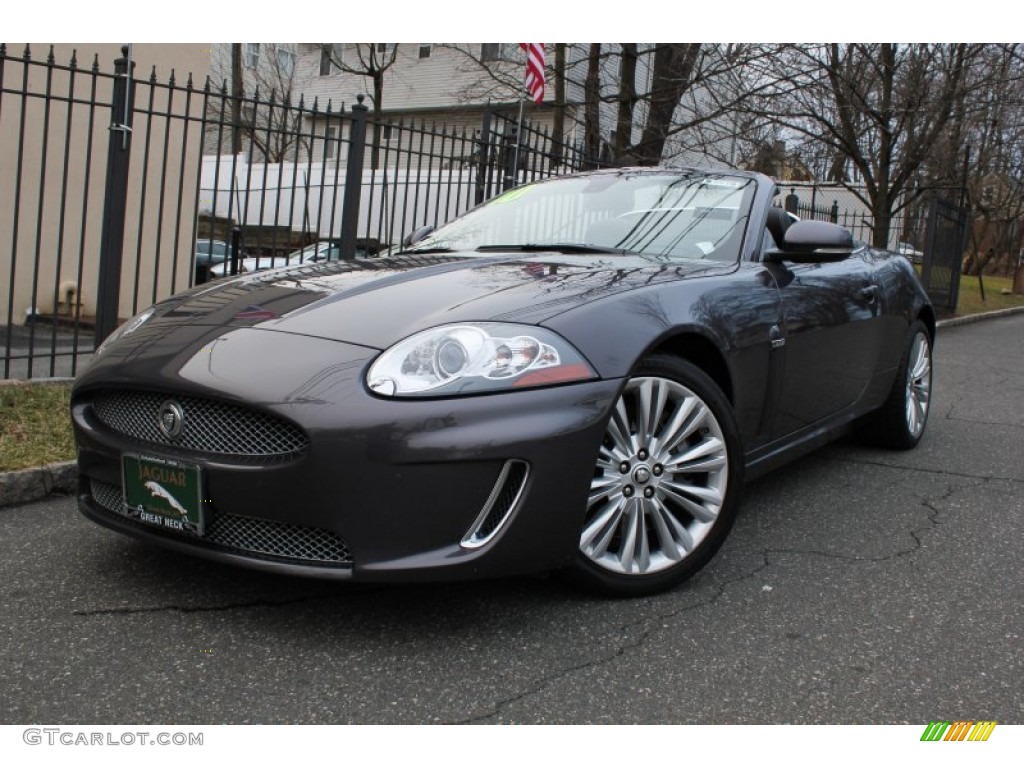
(123, 330)
(476, 357)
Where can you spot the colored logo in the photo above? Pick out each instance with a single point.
(960, 730)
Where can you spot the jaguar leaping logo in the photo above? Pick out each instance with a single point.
(155, 489)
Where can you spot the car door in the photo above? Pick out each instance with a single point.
(831, 334)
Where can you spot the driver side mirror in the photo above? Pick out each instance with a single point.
(813, 242)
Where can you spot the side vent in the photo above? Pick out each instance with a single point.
(499, 505)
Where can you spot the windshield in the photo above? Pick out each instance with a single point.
(662, 215)
(214, 247)
(319, 251)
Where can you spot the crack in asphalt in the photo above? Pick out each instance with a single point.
(945, 472)
(548, 680)
(767, 555)
(987, 423)
(128, 610)
(952, 406)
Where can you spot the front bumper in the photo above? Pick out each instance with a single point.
(390, 488)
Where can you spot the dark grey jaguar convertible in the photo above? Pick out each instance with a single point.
(576, 375)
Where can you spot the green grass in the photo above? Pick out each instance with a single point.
(35, 425)
(969, 299)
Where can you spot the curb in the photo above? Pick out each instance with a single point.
(28, 485)
(952, 322)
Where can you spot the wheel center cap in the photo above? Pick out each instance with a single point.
(641, 475)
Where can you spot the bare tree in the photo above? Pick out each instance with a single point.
(592, 103)
(261, 100)
(879, 109)
(640, 96)
(992, 126)
(371, 61)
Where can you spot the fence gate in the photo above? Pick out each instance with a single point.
(945, 241)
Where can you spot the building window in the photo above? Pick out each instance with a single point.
(381, 47)
(497, 51)
(330, 58)
(331, 143)
(286, 62)
(252, 55)
(425, 51)
(385, 132)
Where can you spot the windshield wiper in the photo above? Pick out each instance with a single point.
(414, 251)
(559, 247)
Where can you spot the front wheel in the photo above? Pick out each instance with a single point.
(666, 482)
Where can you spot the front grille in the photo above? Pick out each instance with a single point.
(209, 426)
(249, 535)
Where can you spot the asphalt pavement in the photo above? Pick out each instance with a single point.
(858, 586)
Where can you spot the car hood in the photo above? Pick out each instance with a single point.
(378, 301)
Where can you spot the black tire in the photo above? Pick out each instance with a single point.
(647, 503)
(900, 423)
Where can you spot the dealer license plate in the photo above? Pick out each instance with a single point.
(163, 492)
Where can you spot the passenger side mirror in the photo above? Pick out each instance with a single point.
(419, 234)
(814, 242)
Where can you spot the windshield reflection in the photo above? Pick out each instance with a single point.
(660, 215)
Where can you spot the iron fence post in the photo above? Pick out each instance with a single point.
(353, 179)
(509, 152)
(236, 244)
(792, 201)
(115, 198)
(483, 158)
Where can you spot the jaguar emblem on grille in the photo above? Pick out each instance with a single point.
(171, 418)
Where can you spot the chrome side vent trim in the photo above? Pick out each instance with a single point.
(499, 505)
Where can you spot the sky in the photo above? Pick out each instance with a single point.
(462, 21)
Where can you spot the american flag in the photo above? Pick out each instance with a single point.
(534, 70)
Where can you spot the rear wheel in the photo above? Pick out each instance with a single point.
(900, 422)
(666, 482)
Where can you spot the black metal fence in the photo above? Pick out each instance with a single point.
(944, 250)
(907, 227)
(108, 179)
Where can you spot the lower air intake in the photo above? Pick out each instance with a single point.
(499, 505)
(250, 535)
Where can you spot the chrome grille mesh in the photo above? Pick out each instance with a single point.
(251, 535)
(270, 537)
(108, 496)
(209, 426)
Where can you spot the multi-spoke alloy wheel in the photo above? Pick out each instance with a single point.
(901, 420)
(919, 384)
(661, 497)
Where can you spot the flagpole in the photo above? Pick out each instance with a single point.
(515, 155)
(533, 86)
